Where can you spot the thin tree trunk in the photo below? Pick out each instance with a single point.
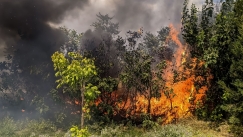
(149, 106)
(149, 101)
(171, 104)
(82, 104)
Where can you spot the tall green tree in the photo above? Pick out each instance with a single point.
(75, 72)
(199, 31)
(232, 84)
(190, 24)
(219, 42)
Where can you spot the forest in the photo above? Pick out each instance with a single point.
(58, 82)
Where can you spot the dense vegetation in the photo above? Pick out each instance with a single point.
(217, 40)
(101, 76)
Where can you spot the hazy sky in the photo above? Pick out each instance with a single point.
(131, 14)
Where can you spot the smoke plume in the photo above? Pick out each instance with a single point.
(131, 15)
(137, 13)
(25, 34)
(24, 25)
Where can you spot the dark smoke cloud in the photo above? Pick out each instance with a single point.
(27, 21)
(100, 45)
(26, 34)
(92, 39)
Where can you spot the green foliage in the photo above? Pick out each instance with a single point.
(8, 127)
(190, 24)
(219, 45)
(77, 71)
(55, 96)
(148, 123)
(75, 132)
(73, 38)
(41, 127)
(178, 130)
(171, 131)
(151, 40)
(233, 88)
(237, 130)
(111, 132)
(26, 127)
(105, 110)
(163, 34)
(139, 77)
(40, 104)
(60, 117)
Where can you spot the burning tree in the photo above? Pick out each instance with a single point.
(139, 78)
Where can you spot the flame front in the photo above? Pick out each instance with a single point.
(186, 96)
(169, 108)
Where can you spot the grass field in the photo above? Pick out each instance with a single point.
(189, 127)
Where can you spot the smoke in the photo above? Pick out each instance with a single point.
(92, 39)
(26, 34)
(25, 31)
(131, 15)
(100, 45)
(27, 21)
(137, 13)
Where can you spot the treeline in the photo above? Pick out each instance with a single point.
(216, 39)
(29, 89)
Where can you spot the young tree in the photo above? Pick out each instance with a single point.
(104, 44)
(75, 71)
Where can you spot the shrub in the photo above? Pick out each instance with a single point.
(75, 132)
(111, 131)
(7, 127)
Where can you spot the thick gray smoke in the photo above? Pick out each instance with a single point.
(27, 21)
(25, 34)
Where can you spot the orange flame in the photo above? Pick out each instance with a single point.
(76, 102)
(186, 96)
(170, 108)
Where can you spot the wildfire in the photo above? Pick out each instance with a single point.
(185, 96)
